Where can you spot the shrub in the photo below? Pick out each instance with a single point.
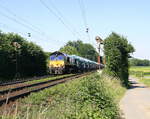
(31, 60)
(91, 97)
(117, 49)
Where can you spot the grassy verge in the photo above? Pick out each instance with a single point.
(47, 79)
(91, 97)
(40, 80)
(145, 81)
(142, 73)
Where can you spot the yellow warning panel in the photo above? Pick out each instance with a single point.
(56, 63)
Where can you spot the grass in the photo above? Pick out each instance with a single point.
(38, 81)
(145, 81)
(91, 97)
(51, 78)
(142, 73)
(140, 68)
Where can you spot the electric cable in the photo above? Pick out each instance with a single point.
(59, 18)
(83, 12)
(64, 18)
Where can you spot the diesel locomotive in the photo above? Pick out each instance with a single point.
(60, 63)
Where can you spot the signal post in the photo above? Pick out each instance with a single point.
(99, 42)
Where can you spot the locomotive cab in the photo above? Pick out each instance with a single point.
(56, 63)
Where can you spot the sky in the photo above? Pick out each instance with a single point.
(54, 22)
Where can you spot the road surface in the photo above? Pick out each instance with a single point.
(136, 102)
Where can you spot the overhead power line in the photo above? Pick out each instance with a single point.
(5, 26)
(23, 23)
(59, 18)
(21, 19)
(64, 19)
(83, 12)
(82, 8)
(18, 22)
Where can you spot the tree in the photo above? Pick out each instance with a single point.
(117, 50)
(84, 49)
(30, 58)
(69, 50)
(139, 62)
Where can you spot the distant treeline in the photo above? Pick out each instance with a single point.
(139, 62)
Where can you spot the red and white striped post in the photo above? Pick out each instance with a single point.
(99, 42)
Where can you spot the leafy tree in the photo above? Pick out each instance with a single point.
(84, 49)
(69, 50)
(30, 59)
(117, 50)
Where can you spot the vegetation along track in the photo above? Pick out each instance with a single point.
(23, 80)
(22, 91)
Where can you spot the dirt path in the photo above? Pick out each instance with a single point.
(136, 102)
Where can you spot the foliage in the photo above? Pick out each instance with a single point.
(47, 54)
(117, 49)
(91, 97)
(83, 49)
(139, 62)
(30, 59)
(69, 50)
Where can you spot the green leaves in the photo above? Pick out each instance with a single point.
(69, 50)
(30, 58)
(79, 48)
(117, 49)
(91, 97)
(139, 62)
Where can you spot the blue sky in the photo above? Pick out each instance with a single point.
(130, 18)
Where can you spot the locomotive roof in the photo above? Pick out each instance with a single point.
(84, 59)
(58, 53)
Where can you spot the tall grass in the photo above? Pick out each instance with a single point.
(91, 97)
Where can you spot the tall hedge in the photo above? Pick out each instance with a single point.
(31, 60)
(117, 50)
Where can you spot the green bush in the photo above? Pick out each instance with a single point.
(31, 60)
(91, 97)
(117, 49)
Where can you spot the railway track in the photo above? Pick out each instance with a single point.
(15, 87)
(12, 94)
(24, 80)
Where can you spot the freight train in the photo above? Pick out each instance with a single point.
(60, 63)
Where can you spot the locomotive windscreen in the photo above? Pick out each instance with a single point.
(56, 57)
(52, 57)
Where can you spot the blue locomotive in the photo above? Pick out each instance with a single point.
(60, 63)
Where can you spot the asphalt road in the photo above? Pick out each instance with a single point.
(136, 102)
